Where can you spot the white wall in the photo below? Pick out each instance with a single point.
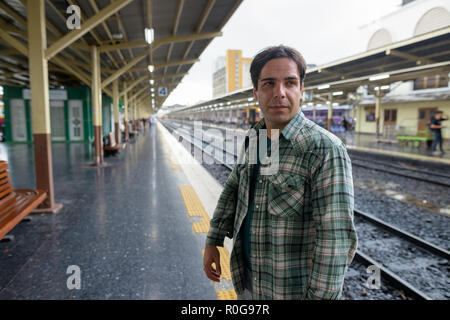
(402, 23)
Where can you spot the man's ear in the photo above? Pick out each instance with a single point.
(255, 94)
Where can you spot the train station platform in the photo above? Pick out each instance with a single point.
(368, 143)
(128, 226)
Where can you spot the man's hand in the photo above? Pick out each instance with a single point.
(211, 256)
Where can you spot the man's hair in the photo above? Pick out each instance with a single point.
(276, 52)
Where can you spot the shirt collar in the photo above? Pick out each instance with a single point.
(294, 126)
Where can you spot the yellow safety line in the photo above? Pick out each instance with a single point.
(226, 295)
(194, 208)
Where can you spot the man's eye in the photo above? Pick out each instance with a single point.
(268, 83)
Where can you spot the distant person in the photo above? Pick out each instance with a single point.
(345, 124)
(293, 231)
(152, 120)
(436, 129)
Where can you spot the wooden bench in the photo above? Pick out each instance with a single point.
(15, 204)
(112, 146)
(131, 132)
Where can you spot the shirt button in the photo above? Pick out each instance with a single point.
(260, 181)
(257, 207)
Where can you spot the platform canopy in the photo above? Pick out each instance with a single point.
(423, 55)
(181, 32)
(427, 54)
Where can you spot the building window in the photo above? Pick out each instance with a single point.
(422, 114)
(390, 115)
(370, 114)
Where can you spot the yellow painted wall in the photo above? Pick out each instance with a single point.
(362, 125)
(407, 116)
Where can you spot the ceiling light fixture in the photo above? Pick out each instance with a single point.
(379, 77)
(149, 35)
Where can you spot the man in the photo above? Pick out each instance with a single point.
(436, 127)
(293, 232)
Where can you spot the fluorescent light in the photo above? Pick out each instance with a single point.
(385, 87)
(152, 89)
(338, 93)
(379, 77)
(325, 86)
(151, 68)
(149, 35)
(152, 81)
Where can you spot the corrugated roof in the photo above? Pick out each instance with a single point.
(168, 18)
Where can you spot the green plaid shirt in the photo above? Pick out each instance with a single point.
(302, 233)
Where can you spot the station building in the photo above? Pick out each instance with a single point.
(406, 106)
(232, 73)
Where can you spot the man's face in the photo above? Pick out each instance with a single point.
(279, 92)
(438, 116)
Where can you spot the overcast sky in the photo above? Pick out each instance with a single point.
(322, 30)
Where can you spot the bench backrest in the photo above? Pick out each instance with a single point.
(6, 190)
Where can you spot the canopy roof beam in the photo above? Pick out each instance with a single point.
(91, 23)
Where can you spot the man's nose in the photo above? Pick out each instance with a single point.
(279, 91)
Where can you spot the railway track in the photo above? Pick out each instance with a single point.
(394, 279)
(439, 179)
(403, 167)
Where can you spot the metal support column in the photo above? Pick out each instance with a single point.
(116, 109)
(377, 113)
(330, 112)
(127, 134)
(97, 106)
(314, 112)
(40, 105)
(135, 114)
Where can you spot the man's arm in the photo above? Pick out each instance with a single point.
(336, 239)
(221, 226)
(222, 223)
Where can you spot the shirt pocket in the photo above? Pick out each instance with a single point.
(286, 195)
